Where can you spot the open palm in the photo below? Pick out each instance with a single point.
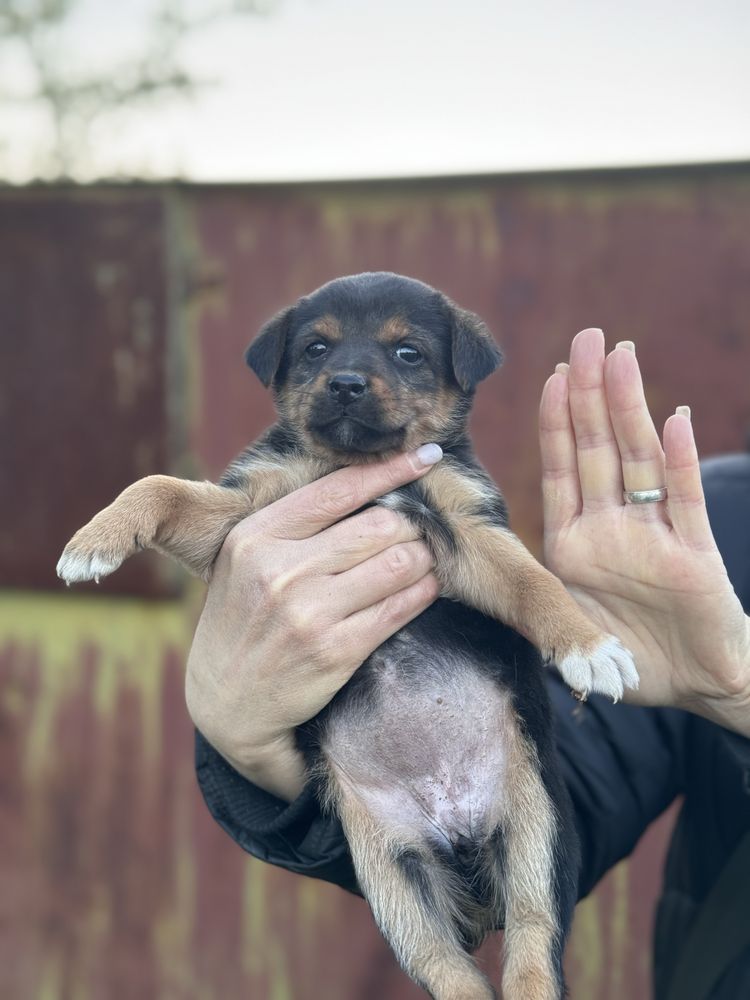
(649, 573)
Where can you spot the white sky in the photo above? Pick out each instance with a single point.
(370, 88)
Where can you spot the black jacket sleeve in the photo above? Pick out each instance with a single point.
(296, 836)
(623, 766)
(716, 811)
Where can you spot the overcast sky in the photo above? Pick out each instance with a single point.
(370, 88)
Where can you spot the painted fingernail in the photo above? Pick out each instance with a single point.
(626, 345)
(684, 411)
(429, 454)
(563, 367)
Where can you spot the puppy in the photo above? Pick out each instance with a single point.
(437, 756)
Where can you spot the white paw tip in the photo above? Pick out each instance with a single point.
(608, 670)
(74, 568)
(576, 670)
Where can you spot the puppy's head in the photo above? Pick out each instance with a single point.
(373, 363)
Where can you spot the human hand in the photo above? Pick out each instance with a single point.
(650, 573)
(299, 598)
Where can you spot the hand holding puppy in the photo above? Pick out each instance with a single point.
(298, 600)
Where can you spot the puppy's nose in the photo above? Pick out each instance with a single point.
(347, 387)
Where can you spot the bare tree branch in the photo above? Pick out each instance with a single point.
(74, 103)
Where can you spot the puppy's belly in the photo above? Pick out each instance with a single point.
(427, 751)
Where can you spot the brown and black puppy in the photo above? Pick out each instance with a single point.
(437, 756)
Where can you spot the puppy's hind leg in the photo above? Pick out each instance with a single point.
(536, 917)
(180, 518)
(409, 894)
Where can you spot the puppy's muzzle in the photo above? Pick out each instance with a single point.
(348, 387)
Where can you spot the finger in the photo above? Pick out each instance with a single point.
(599, 467)
(320, 504)
(687, 506)
(365, 630)
(561, 488)
(641, 453)
(358, 538)
(380, 577)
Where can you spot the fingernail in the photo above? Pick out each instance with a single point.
(429, 454)
(684, 411)
(626, 345)
(563, 367)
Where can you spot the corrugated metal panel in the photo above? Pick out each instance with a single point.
(662, 258)
(83, 408)
(116, 881)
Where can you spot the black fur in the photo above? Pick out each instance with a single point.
(265, 353)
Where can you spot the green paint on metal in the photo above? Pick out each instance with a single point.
(96, 926)
(128, 638)
(468, 214)
(188, 303)
(601, 196)
(586, 947)
(49, 982)
(619, 932)
(308, 907)
(174, 929)
(255, 920)
(281, 988)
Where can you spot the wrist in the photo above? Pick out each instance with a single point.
(731, 713)
(273, 764)
(730, 707)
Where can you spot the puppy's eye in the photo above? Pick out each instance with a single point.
(316, 350)
(408, 354)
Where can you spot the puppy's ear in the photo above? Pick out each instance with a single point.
(475, 353)
(265, 353)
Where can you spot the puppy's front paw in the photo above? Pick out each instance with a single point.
(607, 669)
(76, 567)
(97, 550)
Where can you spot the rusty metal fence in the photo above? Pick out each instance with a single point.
(124, 312)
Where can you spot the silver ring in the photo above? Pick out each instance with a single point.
(645, 496)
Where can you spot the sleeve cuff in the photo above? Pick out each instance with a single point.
(296, 835)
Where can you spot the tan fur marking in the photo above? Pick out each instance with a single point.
(297, 405)
(529, 829)
(494, 572)
(186, 520)
(433, 418)
(180, 518)
(393, 330)
(269, 479)
(328, 326)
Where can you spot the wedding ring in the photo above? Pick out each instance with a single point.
(645, 496)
